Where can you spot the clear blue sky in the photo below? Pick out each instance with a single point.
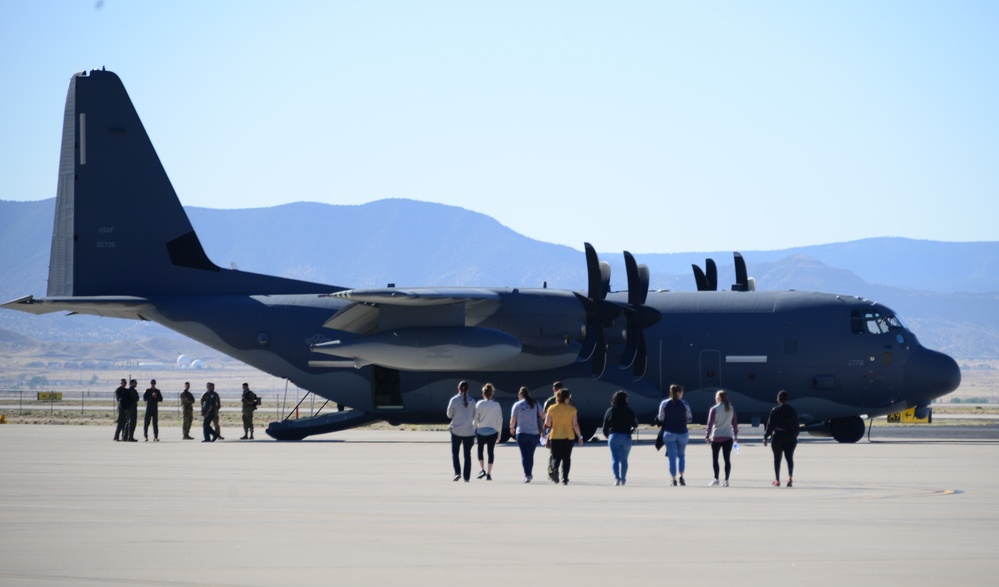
(648, 126)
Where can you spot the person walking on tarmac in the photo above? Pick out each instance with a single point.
(132, 408)
(250, 402)
(119, 397)
(210, 404)
(461, 411)
(187, 408)
(552, 472)
(152, 397)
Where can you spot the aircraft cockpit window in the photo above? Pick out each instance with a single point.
(874, 322)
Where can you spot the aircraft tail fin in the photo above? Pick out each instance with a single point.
(119, 227)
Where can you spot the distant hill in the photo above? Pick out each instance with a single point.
(944, 291)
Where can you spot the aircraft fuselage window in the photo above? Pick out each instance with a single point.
(874, 322)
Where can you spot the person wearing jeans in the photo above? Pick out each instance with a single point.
(526, 419)
(619, 423)
(674, 415)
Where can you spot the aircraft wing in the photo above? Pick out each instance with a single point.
(421, 296)
(374, 310)
(128, 307)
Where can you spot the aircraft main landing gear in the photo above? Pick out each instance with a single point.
(847, 430)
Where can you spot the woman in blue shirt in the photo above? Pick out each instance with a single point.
(674, 415)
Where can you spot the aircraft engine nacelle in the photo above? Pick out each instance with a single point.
(449, 348)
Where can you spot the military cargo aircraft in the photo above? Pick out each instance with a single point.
(123, 247)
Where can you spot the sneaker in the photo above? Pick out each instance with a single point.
(530, 478)
(457, 478)
(776, 483)
(788, 484)
(156, 440)
(617, 482)
(674, 483)
(482, 474)
(725, 483)
(565, 481)
(146, 439)
(489, 477)
(682, 481)
(623, 481)
(714, 482)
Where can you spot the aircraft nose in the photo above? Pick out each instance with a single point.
(929, 375)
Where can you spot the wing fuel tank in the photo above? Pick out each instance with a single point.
(427, 349)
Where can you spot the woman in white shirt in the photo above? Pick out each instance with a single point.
(488, 423)
(461, 411)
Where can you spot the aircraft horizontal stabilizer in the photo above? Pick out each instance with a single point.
(128, 307)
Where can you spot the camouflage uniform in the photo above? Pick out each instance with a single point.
(187, 406)
(250, 402)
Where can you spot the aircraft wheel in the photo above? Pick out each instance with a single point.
(847, 430)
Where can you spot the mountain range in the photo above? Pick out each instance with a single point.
(947, 292)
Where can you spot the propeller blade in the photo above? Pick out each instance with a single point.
(700, 278)
(741, 277)
(642, 361)
(627, 358)
(590, 339)
(638, 280)
(599, 356)
(594, 273)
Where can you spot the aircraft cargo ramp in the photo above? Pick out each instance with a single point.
(297, 429)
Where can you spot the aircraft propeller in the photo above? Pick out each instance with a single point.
(639, 317)
(601, 313)
(707, 279)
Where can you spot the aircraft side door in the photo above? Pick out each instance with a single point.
(386, 387)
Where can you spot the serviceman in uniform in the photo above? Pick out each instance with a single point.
(250, 402)
(210, 404)
(119, 398)
(152, 397)
(132, 407)
(187, 407)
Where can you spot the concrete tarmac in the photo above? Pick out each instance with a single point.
(378, 507)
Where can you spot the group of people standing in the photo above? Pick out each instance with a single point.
(556, 425)
(127, 398)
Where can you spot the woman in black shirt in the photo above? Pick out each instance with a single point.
(782, 425)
